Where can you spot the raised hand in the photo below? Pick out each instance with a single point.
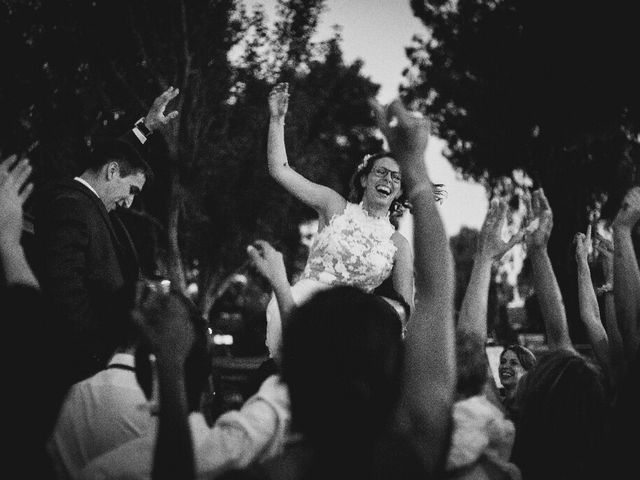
(164, 321)
(542, 221)
(268, 261)
(13, 176)
(492, 244)
(279, 100)
(406, 132)
(156, 118)
(629, 213)
(583, 247)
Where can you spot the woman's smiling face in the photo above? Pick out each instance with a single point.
(510, 369)
(383, 183)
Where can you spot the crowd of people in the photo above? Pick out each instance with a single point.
(362, 382)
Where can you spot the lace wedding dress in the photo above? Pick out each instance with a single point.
(354, 249)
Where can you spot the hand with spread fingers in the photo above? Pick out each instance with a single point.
(406, 132)
(156, 118)
(492, 245)
(542, 217)
(14, 191)
(279, 100)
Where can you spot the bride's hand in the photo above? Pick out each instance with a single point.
(279, 100)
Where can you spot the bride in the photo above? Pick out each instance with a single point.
(356, 244)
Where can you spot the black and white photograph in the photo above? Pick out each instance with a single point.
(320, 239)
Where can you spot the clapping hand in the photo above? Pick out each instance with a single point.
(407, 133)
(541, 223)
(279, 100)
(156, 118)
(492, 244)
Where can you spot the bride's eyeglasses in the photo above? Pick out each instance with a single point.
(382, 172)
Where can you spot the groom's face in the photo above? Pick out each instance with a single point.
(121, 191)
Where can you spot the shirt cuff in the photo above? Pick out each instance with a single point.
(139, 135)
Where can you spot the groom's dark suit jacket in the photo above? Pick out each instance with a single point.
(85, 255)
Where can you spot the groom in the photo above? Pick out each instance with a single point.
(85, 252)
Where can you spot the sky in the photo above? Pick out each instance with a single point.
(377, 31)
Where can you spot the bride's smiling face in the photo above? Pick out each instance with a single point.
(382, 185)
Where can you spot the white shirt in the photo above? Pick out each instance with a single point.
(480, 429)
(98, 414)
(86, 184)
(238, 438)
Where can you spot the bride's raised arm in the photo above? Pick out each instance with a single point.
(324, 200)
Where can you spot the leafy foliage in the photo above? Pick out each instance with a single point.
(549, 88)
(81, 69)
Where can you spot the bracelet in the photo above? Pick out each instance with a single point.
(421, 187)
(606, 288)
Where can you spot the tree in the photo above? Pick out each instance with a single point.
(81, 69)
(545, 87)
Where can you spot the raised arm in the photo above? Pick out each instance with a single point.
(155, 119)
(165, 325)
(626, 274)
(268, 261)
(324, 200)
(14, 191)
(429, 376)
(544, 279)
(589, 308)
(473, 312)
(270, 264)
(616, 346)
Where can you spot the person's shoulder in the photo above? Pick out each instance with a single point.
(62, 190)
(338, 205)
(58, 186)
(67, 198)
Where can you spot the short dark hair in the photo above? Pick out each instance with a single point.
(342, 352)
(129, 157)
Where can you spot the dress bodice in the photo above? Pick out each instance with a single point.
(353, 249)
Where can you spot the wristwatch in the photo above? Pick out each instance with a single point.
(142, 128)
